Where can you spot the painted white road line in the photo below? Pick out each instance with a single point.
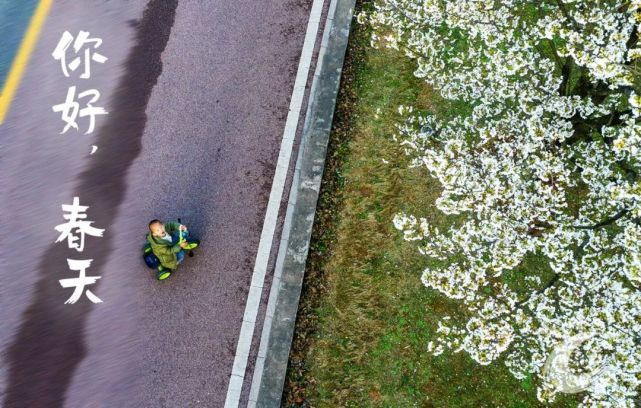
(271, 215)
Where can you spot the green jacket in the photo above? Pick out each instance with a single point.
(163, 249)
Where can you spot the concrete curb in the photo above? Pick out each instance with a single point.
(280, 318)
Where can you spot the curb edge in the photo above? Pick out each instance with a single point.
(282, 307)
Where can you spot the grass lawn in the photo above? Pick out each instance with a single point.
(365, 318)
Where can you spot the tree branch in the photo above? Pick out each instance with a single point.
(605, 222)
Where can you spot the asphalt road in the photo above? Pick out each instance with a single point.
(197, 93)
(14, 18)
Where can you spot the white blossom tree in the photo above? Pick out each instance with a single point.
(545, 163)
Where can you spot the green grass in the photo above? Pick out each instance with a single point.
(365, 318)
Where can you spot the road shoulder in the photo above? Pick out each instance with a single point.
(276, 338)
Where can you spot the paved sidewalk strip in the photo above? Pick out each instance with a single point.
(278, 329)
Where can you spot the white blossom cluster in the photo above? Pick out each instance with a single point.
(546, 162)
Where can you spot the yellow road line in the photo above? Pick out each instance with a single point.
(21, 59)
